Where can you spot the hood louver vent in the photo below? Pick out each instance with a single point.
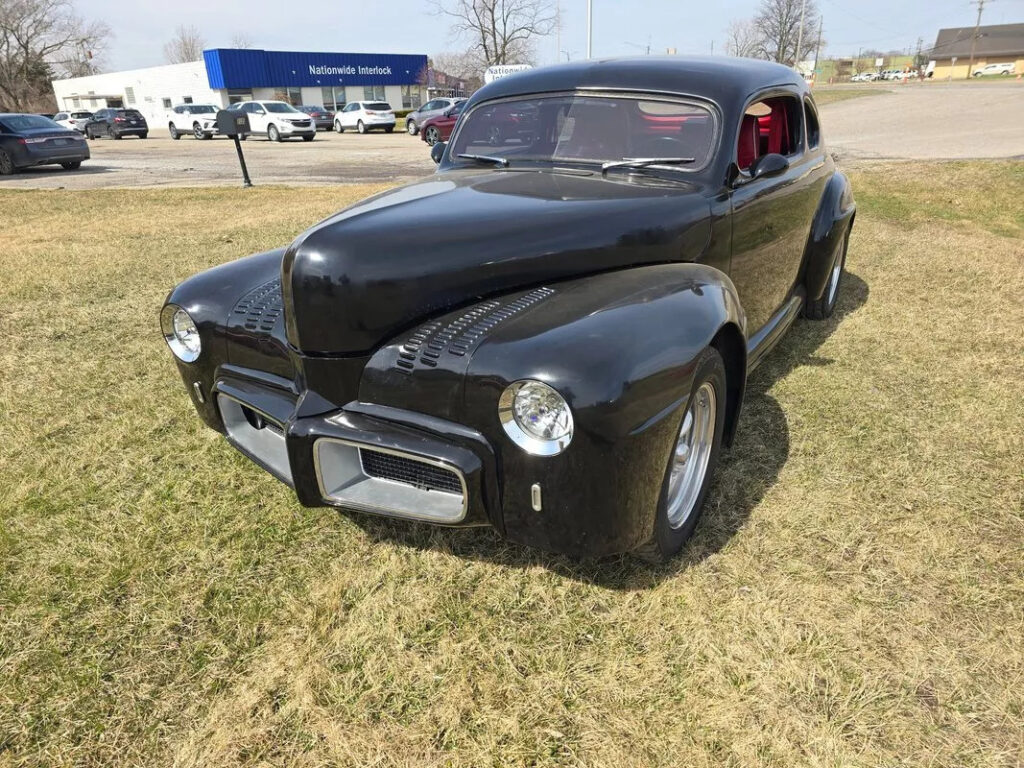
(461, 334)
(261, 307)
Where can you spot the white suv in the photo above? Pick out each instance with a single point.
(365, 116)
(1005, 68)
(74, 120)
(278, 120)
(198, 119)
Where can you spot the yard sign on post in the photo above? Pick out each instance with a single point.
(234, 124)
(499, 71)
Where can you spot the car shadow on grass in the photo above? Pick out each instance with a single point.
(745, 473)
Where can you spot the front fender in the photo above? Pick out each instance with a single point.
(621, 347)
(832, 221)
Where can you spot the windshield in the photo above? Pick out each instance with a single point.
(278, 106)
(201, 109)
(28, 122)
(588, 129)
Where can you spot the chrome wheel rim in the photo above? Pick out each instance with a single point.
(691, 455)
(837, 271)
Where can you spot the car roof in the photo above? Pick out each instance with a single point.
(725, 80)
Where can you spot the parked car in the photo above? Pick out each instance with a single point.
(322, 117)
(74, 120)
(198, 119)
(433, 108)
(29, 140)
(864, 77)
(551, 335)
(116, 124)
(277, 120)
(365, 116)
(1004, 68)
(439, 127)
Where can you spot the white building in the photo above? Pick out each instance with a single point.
(227, 75)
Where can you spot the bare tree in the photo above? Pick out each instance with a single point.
(499, 31)
(241, 40)
(778, 21)
(41, 40)
(186, 45)
(744, 39)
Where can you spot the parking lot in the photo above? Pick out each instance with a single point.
(913, 121)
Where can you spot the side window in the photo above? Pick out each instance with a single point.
(60, 116)
(813, 129)
(770, 126)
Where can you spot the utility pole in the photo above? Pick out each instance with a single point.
(590, 28)
(800, 34)
(974, 37)
(817, 48)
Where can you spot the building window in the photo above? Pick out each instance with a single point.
(373, 92)
(76, 102)
(187, 99)
(167, 103)
(334, 98)
(236, 95)
(292, 95)
(412, 97)
(129, 95)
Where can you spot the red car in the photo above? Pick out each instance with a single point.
(440, 128)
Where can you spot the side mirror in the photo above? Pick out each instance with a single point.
(437, 151)
(771, 164)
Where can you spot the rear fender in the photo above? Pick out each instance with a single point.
(832, 221)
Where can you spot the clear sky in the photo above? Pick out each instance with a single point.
(621, 27)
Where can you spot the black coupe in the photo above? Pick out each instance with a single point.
(552, 334)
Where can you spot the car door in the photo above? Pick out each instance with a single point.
(771, 215)
(257, 117)
(349, 115)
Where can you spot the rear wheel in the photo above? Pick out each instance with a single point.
(361, 127)
(72, 166)
(6, 164)
(273, 134)
(826, 305)
(432, 135)
(691, 465)
(411, 127)
(338, 126)
(144, 135)
(389, 129)
(171, 129)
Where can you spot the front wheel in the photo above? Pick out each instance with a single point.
(432, 136)
(72, 166)
(692, 462)
(410, 126)
(338, 126)
(273, 134)
(173, 130)
(197, 131)
(361, 127)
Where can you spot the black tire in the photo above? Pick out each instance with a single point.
(666, 541)
(6, 164)
(272, 133)
(432, 135)
(338, 126)
(243, 137)
(389, 129)
(144, 135)
(112, 133)
(360, 127)
(197, 131)
(74, 165)
(823, 307)
(171, 129)
(411, 128)
(309, 138)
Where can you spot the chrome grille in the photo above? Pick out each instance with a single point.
(400, 469)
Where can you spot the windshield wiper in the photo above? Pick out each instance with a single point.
(503, 162)
(644, 162)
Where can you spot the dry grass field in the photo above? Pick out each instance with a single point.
(854, 595)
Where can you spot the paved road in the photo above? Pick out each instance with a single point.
(929, 121)
(915, 121)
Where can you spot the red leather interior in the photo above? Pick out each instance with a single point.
(750, 138)
(778, 130)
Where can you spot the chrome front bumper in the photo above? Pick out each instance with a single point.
(355, 469)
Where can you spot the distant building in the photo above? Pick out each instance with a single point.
(997, 44)
(227, 75)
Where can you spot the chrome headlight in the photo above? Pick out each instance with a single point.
(536, 417)
(180, 333)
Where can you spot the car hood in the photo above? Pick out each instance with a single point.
(388, 262)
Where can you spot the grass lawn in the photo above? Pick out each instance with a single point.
(824, 94)
(854, 595)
